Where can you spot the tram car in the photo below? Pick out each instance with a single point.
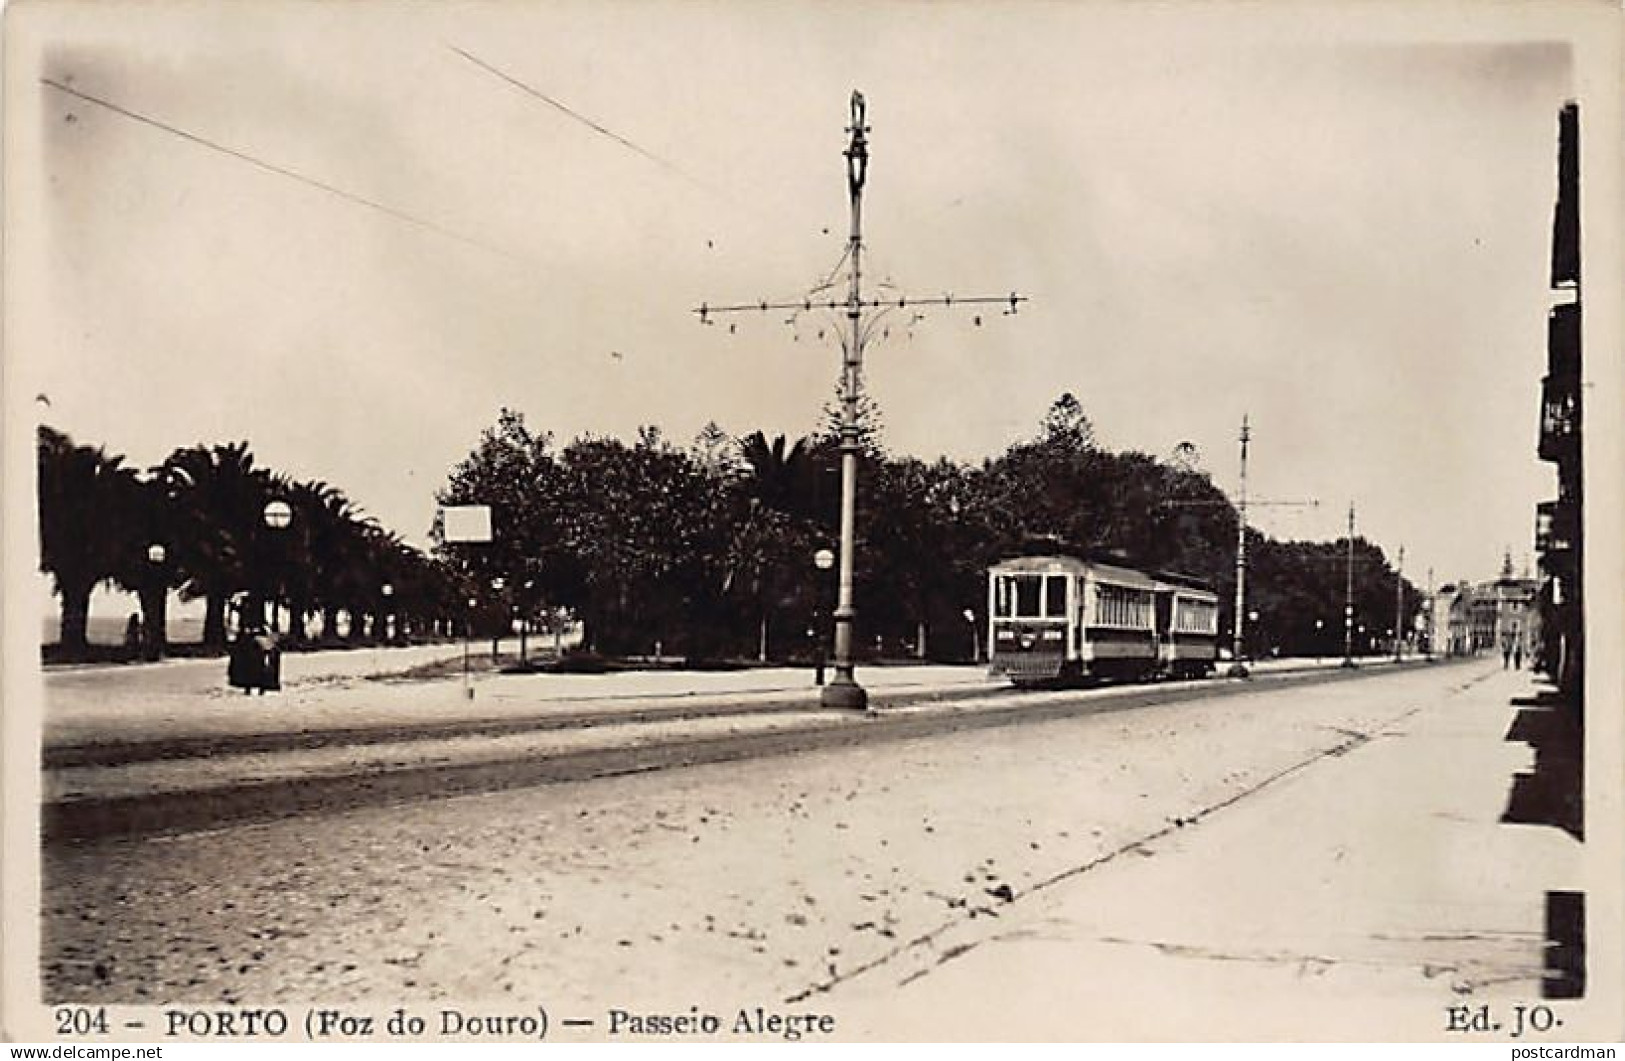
(1058, 618)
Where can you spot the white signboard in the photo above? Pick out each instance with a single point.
(466, 523)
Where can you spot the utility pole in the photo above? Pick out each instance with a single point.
(1238, 668)
(1348, 598)
(1399, 605)
(1433, 614)
(1237, 640)
(843, 690)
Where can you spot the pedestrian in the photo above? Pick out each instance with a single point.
(132, 632)
(242, 663)
(1517, 656)
(1506, 653)
(269, 647)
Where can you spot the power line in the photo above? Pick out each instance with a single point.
(582, 118)
(272, 167)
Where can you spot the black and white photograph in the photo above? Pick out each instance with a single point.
(653, 521)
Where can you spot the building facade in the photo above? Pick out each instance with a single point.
(1559, 522)
(1500, 616)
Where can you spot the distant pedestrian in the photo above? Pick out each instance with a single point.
(132, 631)
(255, 661)
(1506, 654)
(1517, 656)
(242, 670)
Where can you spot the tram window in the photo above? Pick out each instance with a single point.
(1055, 596)
(1016, 597)
(1122, 607)
(1027, 596)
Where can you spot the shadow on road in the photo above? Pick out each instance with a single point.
(1553, 794)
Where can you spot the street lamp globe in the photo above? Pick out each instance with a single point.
(156, 553)
(278, 514)
(388, 590)
(823, 559)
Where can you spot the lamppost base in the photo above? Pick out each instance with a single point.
(844, 694)
(1238, 669)
(1348, 664)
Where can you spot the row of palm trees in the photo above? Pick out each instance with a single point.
(197, 523)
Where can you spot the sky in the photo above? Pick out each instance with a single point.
(344, 233)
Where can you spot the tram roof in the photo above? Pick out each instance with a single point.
(1072, 565)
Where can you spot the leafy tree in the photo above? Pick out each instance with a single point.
(636, 519)
(871, 423)
(1065, 426)
(514, 471)
(716, 453)
(709, 548)
(1294, 585)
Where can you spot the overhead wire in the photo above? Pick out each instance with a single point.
(576, 115)
(272, 167)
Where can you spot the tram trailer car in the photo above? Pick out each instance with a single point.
(1058, 618)
(1187, 626)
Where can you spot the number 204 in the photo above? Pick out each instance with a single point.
(81, 1020)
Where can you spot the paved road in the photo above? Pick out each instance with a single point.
(1366, 892)
(842, 878)
(190, 781)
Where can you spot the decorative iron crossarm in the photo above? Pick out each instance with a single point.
(705, 311)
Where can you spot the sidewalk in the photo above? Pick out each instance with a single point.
(124, 708)
(1363, 897)
(332, 691)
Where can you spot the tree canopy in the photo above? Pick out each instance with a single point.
(203, 508)
(708, 549)
(705, 549)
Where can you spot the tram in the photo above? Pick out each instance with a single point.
(1056, 618)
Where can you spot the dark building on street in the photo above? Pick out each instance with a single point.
(1559, 522)
(1553, 721)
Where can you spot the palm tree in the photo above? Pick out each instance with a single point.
(150, 524)
(219, 497)
(329, 526)
(322, 517)
(781, 475)
(85, 499)
(387, 563)
(351, 566)
(776, 529)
